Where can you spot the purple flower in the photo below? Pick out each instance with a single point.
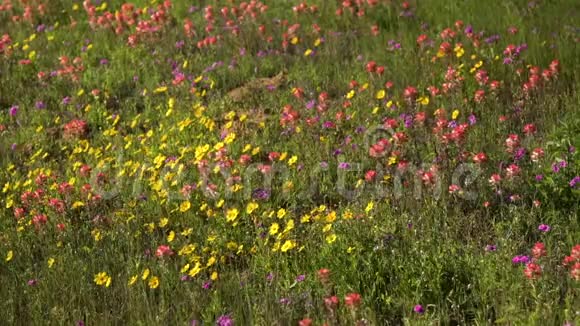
(419, 309)
(300, 278)
(225, 320)
(575, 181)
(323, 165)
(544, 227)
(491, 248)
(539, 177)
(32, 282)
(328, 125)
(206, 285)
(285, 301)
(360, 130)
(472, 119)
(310, 104)
(571, 149)
(519, 153)
(262, 194)
(343, 165)
(104, 62)
(66, 100)
(40, 105)
(520, 259)
(80, 323)
(13, 110)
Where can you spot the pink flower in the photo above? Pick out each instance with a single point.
(539, 250)
(495, 179)
(533, 271)
(512, 170)
(163, 250)
(352, 300)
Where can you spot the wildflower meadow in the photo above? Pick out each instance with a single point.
(227, 162)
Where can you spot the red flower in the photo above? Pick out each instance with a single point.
(163, 250)
(352, 300)
(480, 158)
(576, 252)
(533, 271)
(575, 272)
(410, 93)
(539, 250)
(370, 175)
(305, 322)
(371, 66)
(529, 129)
(323, 275)
(75, 128)
(331, 303)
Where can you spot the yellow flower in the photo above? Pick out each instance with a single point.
(347, 215)
(289, 226)
(424, 100)
(380, 94)
(330, 238)
(163, 222)
(232, 214)
(101, 278)
(288, 245)
(132, 280)
(9, 255)
(185, 206)
(211, 261)
(327, 228)
(274, 228)
(160, 89)
(281, 213)
(145, 275)
(350, 94)
(331, 217)
(195, 270)
(369, 207)
(50, 262)
(153, 282)
(251, 207)
(214, 276)
(455, 114)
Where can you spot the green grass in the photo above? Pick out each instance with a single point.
(394, 240)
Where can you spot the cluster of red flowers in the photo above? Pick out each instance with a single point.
(359, 7)
(533, 270)
(5, 40)
(573, 262)
(75, 129)
(129, 17)
(27, 13)
(67, 69)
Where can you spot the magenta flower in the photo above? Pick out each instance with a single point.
(544, 228)
(13, 110)
(419, 309)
